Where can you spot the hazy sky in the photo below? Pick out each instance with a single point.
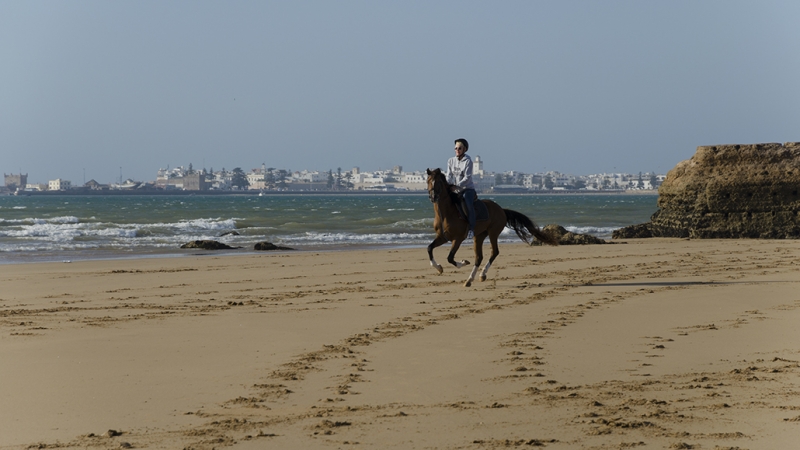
(575, 86)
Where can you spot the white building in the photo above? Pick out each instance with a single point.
(255, 179)
(477, 166)
(58, 185)
(35, 187)
(307, 176)
(221, 180)
(415, 177)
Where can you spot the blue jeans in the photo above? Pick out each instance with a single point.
(469, 199)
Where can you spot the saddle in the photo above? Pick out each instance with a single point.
(481, 211)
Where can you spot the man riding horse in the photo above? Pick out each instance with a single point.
(459, 175)
(450, 225)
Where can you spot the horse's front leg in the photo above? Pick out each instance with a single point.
(478, 259)
(495, 252)
(451, 257)
(436, 242)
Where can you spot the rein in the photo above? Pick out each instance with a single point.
(439, 184)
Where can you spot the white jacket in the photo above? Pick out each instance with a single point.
(459, 172)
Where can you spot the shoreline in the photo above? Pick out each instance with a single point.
(667, 343)
(182, 253)
(313, 193)
(63, 227)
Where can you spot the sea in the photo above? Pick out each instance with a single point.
(80, 227)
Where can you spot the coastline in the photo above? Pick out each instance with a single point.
(75, 228)
(658, 342)
(77, 192)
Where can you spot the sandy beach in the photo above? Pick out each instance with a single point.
(659, 343)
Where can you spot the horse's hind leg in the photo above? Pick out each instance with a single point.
(436, 242)
(495, 252)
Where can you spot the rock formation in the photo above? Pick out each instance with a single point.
(569, 238)
(207, 245)
(729, 191)
(269, 246)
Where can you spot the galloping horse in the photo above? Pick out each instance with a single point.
(450, 226)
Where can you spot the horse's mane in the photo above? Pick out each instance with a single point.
(440, 175)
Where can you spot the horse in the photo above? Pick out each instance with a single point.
(450, 226)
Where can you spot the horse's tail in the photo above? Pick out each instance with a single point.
(525, 228)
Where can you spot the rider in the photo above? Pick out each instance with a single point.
(459, 174)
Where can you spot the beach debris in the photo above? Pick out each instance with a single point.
(208, 245)
(566, 237)
(270, 246)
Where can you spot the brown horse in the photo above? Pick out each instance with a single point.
(450, 226)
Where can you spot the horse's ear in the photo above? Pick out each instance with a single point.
(429, 171)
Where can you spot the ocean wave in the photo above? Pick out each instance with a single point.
(66, 228)
(321, 238)
(426, 223)
(595, 231)
(208, 224)
(34, 220)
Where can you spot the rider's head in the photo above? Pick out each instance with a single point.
(461, 147)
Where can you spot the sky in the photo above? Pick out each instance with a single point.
(102, 90)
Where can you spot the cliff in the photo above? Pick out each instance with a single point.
(729, 191)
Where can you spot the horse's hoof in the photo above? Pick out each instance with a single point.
(465, 262)
(440, 270)
(468, 283)
(483, 277)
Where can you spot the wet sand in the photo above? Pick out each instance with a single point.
(659, 343)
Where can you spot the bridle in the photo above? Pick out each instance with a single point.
(433, 191)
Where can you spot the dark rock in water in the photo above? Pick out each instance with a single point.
(231, 233)
(729, 191)
(270, 246)
(569, 238)
(207, 245)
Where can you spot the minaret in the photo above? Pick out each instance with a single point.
(478, 166)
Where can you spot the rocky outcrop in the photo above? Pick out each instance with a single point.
(270, 246)
(207, 245)
(729, 191)
(569, 238)
(639, 231)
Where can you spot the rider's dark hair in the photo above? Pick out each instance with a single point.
(463, 141)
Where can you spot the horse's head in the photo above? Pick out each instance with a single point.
(437, 184)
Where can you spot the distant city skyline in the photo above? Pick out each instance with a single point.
(573, 86)
(396, 179)
(121, 177)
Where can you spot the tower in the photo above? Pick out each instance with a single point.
(478, 166)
